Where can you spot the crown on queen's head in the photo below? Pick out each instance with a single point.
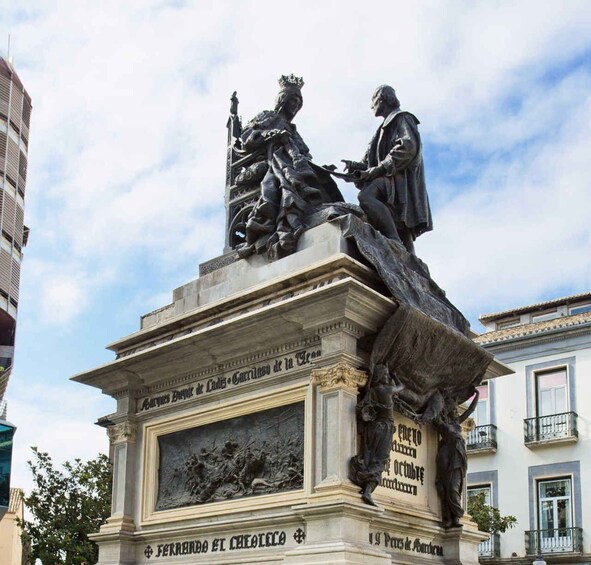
(289, 81)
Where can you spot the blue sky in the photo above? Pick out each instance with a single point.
(126, 162)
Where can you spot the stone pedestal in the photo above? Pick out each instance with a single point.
(236, 422)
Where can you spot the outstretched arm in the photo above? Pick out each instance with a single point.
(470, 408)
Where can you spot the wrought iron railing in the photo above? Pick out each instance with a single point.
(558, 540)
(548, 428)
(490, 547)
(482, 437)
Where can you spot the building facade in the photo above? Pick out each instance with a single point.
(530, 452)
(15, 115)
(11, 545)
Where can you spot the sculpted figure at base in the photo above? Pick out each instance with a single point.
(390, 177)
(452, 464)
(376, 419)
(291, 185)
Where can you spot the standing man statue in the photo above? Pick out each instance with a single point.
(391, 178)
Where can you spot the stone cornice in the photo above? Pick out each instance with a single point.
(243, 361)
(341, 326)
(347, 300)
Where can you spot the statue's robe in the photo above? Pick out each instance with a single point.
(396, 146)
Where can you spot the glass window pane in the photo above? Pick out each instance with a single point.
(483, 392)
(547, 515)
(564, 514)
(552, 489)
(475, 491)
(546, 403)
(480, 414)
(553, 379)
(560, 399)
(544, 317)
(552, 392)
(579, 309)
(6, 434)
(555, 509)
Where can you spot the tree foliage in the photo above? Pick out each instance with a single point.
(66, 505)
(488, 518)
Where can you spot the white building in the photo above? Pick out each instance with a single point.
(531, 449)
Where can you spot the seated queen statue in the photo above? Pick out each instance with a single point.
(292, 186)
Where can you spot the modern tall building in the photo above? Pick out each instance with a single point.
(530, 453)
(15, 114)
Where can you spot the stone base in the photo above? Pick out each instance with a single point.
(224, 361)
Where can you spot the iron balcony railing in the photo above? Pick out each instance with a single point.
(559, 540)
(482, 437)
(490, 547)
(549, 428)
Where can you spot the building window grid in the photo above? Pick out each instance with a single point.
(545, 316)
(506, 324)
(483, 437)
(579, 309)
(552, 418)
(475, 490)
(551, 386)
(555, 517)
(491, 546)
(10, 130)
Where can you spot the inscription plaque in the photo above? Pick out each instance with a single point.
(229, 379)
(397, 543)
(254, 454)
(281, 538)
(409, 474)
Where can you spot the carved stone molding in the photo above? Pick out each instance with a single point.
(119, 433)
(116, 524)
(340, 375)
(341, 326)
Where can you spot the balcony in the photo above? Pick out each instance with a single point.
(490, 547)
(549, 429)
(481, 439)
(560, 540)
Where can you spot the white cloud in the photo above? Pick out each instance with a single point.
(130, 105)
(62, 298)
(56, 418)
(522, 229)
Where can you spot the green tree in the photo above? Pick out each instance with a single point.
(66, 505)
(488, 518)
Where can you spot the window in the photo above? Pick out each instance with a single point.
(508, 323)
(551, 402)
(483, 436)
(580, 309)
(544, 316)
(555, 517)
(474, 491)
(553, 420)
(6, 435)
(556, 512)
(551, 392)
(481, 414)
